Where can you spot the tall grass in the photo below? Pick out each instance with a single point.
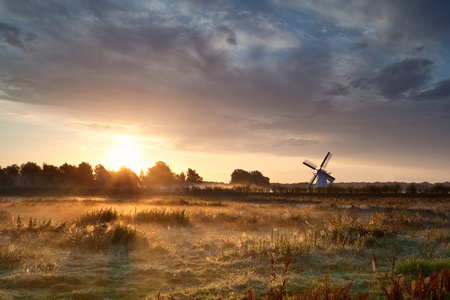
(340, 232)
(102, 215)
(425, 267)
(162, 216)
(10, 256)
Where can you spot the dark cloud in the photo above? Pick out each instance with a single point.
(230, 35)
(416, 50)
(396, 80)
(13, 36)
(337, 89)
(360, 46)
(440, 90)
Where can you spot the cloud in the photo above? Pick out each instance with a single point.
(13, 36)
(337, 89)
(392, 25)
(230, 35)
(440, 90)
(397, 79)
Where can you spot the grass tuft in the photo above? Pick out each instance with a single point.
(98, 216)
(162, 216)
(10, 256)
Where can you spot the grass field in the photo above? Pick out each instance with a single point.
(220, 247)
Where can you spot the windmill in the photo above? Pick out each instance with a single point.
(323, 176)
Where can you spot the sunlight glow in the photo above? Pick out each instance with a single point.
(125, 153)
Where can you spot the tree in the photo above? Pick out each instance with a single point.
(50, 173)
(30, 169)
(85, 174)
(411, 189)
(10, 174)
(160, 173)
(30, 173)
(259, 179)
(101, 175)
(68, 174)
(193, 177)
(126, 179)
(240, 176)
(12, 170)
(181, 178)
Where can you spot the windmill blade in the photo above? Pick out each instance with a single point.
(311, 181)
(325, 161)
(309, 164)
(327, 177)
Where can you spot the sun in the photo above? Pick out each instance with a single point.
(126, 153)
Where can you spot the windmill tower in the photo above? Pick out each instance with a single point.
(322, 176)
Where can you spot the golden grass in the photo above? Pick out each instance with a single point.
(186, 247)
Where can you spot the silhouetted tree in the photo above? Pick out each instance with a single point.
(240, 176)
(30, 169)
(12, 170)
(411, 189)
(125, 179)
(439, 188)
(30, 173)
(68, 174)
(259, 179)
(85, 174)
(9, 176)
(193, 177)
(160, 173)
(51, 174)
(181, 178)
(102, 176)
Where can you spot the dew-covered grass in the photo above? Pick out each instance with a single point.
(187, 247)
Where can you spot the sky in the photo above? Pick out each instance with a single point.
(223, 85)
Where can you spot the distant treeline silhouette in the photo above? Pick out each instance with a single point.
(161, 178)
(31, 175)
(374, 188)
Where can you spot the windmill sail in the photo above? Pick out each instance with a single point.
(311, 181)
(325, 161)
(309, 164)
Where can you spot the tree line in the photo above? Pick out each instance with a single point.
(84, 176)
(394, 188)
(31, 175)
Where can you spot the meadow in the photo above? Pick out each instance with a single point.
(230, 246)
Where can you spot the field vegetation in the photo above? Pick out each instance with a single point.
(225, 246)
